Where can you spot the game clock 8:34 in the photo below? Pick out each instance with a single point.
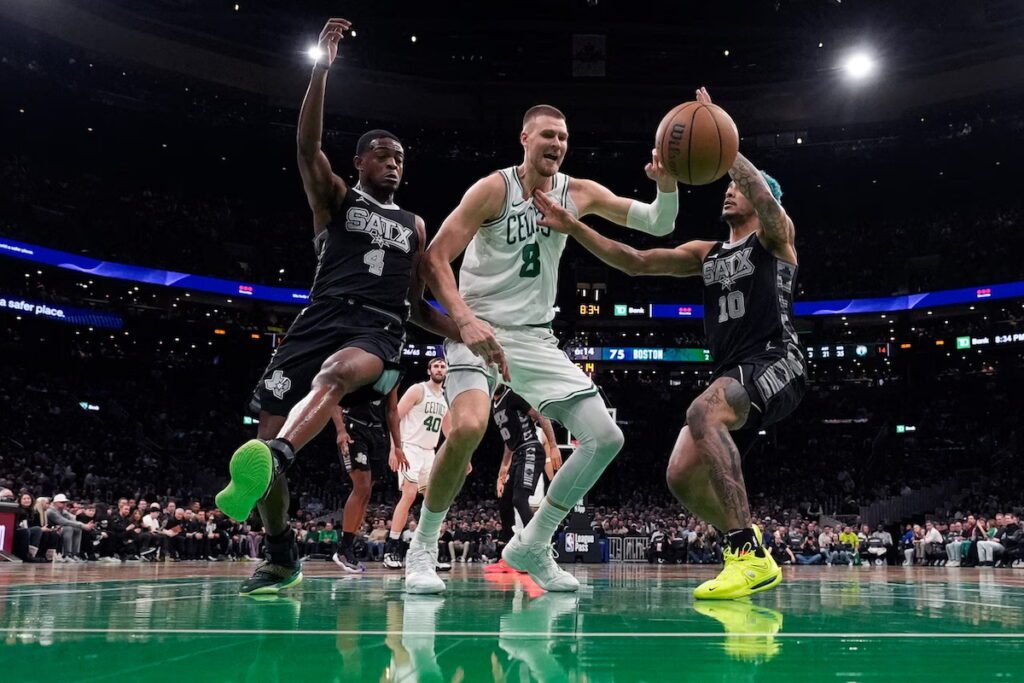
(590, 310)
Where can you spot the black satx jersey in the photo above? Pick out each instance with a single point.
(748, 300)
(366, 253)
(371, 414)
(512, 415)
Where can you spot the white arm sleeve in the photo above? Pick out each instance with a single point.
(658, 218)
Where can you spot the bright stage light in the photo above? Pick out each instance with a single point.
(859, 65)
(314, 53)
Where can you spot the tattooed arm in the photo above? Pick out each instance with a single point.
(776, 227)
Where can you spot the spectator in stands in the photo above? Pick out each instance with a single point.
(990, 550)
(378, 539)
(779, 548)
(827, 543)
(328, 541)
(71, 529)
(28, 534)
(444, 543)
(809, 552)
(954, 541)
(1011, 537)
(931, 543)
(849, 543)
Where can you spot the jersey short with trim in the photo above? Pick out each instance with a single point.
(541, 372)
(775, 381)
(368, 451)
(321, 329)
(527, 466)
(421, 462)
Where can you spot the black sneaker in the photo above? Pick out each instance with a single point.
(281, 569)
(347, 561)
(270, 579)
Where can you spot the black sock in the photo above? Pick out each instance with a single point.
(347, 538)
(284, 450)
(738, 539)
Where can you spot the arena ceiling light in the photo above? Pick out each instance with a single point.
(314, 53)
(859, 65)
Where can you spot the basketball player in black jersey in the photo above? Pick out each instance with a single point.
(522, 463)
(346, 344)
(364, 434)
(760, 371)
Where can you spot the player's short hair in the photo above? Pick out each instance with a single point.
(773, 185)
(542, 110)
(363, 145)
(435, 359)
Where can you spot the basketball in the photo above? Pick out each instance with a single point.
(697, 142)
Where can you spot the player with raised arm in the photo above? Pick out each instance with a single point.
(760, 371)
(346, 344)
(504, 305)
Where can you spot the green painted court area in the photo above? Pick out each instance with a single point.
(631, 623)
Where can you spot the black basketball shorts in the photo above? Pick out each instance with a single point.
(527, 467)
(368, 451)
(320, 330)
(775, 380)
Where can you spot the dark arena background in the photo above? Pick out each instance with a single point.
(155, 246)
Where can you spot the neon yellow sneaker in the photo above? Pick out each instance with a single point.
(745, 573)
(749, 629)
(251, 470)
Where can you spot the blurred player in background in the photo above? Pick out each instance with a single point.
(364, 432)
(422, 413)
(530, 452)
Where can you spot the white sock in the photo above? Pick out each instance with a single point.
(429, 529)
(394, 535)
(542, 527)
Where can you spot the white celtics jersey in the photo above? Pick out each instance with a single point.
(509, 274)
(421, 426)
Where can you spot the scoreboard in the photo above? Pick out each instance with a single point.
(638, 354)
(844, 351)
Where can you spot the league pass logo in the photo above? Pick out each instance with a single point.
(278, 384)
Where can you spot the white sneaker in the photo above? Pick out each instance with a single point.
(953, 563)
(539, 561)
(392, 562)
(420, 570)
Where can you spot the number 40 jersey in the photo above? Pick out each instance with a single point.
(509, 275)
(748, 301)
(421, 426)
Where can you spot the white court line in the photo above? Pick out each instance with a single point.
(73, 591)
(499, 634)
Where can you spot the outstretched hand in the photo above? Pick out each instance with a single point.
(333, 33)
(703, 96)
(553, 214)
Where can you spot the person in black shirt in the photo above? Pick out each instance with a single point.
(346, 344)
(760, 371)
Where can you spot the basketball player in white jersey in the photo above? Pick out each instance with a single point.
(421, 413)
(503, 305)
